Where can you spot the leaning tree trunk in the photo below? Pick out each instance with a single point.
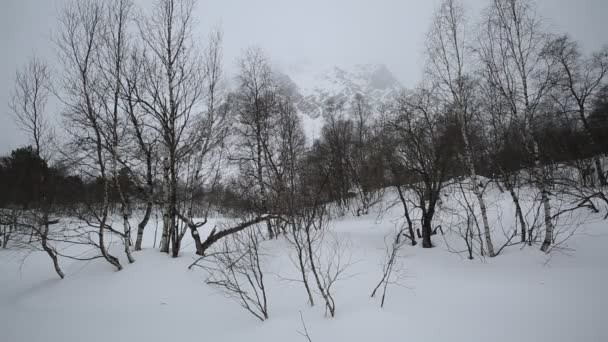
(518, 211)
(102, 247)
(102, 226)
(142, 225)
(53, 256)
(48, 249)
(193, 227)
(406, 213)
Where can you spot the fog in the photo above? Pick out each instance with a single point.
(309, 34)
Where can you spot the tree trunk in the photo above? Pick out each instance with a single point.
(102, 247)
(548, 222)
(51, 252)
(5, 237)
(518, 212)
(197, 240)
(164, 240)
(484, 216)
(427, 230)
(142, 225)
(542, 187)
(173, 227)
(150, 194)
(596, 148)
(468, 154)
(270, 231)
(600, 172)
(215, 236)
(127, 237)
(102, 226)
(406, 213)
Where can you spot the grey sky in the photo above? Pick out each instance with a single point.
(292, 32)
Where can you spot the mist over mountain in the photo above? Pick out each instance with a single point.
(312, 90)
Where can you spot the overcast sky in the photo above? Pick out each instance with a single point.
(293, 33)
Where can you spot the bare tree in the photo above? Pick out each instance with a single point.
(390, 263)
(288, 189)
(502, 133)
(512, 48)
(304, 214)
(449, 64)
(172, 92)
(335, 149)
(305, 332)
(145, 141)
(256, 108)
(37, 225)
(235, 267)
(297, 239)
(32, 91)
(397, 178)
(580, 78)
(424, 151)
(80, 39)
(204, 165)
(365, 163)
(328, 258)
(114, 54)
(28, 104)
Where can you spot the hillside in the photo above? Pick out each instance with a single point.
(438, 295)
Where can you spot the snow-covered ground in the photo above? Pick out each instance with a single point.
(522, 295)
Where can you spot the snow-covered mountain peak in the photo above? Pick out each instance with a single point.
(374, 82)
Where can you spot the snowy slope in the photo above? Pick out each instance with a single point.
(522, 295)
(314, 88)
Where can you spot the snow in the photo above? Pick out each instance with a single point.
(314, 87)
(522, 295)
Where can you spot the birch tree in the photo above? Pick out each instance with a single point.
(80, 42)
(145, 141)
(172, 93)
(449, 57)
(512, 47)
(114, 54)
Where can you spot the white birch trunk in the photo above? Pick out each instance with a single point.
(164, 240)
(473, 175)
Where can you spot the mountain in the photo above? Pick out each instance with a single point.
(312, 90)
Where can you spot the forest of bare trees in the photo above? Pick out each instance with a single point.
(153, 134)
